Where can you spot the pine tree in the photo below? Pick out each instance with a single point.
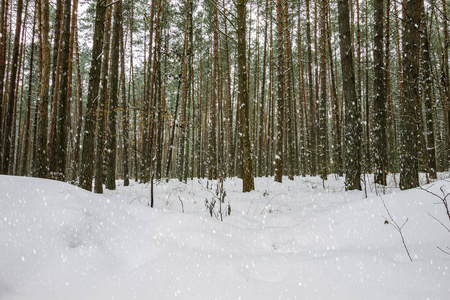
(87, 155)
(353, 128)
(409, 172)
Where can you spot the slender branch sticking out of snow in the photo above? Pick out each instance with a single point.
(448, 253)
(397, 227)
(182, 205)
(439, 221)
(443, 198)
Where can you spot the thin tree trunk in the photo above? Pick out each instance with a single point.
(71, 126)
(41, 149)
(8, 142)
(427, 85)
(184, 98)
(126, 137)
(3, 51)
(280, 96)
(247, 160)
(111, 143)
(24, 162)
(323, 92)
(336, 120)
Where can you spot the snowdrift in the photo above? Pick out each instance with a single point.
(296, 240)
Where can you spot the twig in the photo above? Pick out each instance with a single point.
(271, 201)
(439, 221)
(182, 205)
(398, 228)
(138, 198)
(442, 198)
(448, 253)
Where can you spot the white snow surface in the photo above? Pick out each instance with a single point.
(295, 240)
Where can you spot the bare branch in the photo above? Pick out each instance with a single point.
(398, 228)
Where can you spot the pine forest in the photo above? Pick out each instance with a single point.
(149, 90)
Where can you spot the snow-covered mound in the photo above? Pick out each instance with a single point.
(296, 240)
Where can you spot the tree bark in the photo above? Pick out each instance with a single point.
(352, 106)
(63, 102)
(379, 101)
(409, 173)
(247, 160)
(8, 142)
(111, 144)
(87, 155)
(280, 96)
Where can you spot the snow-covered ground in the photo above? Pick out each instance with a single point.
(295, 240)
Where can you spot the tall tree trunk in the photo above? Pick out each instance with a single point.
(63, 104)
(146, 137)
(409, 173)
(352, 128)
(212, 141)
(301, 96)
(280, 96)
(111, 144)
(228, 104)
(336, 119)
(8, 142)
(56, 45)
(41, 169)
(125, 129)
(262, 113)
(184, 98)
(25, 155)
(427, 86)
(56, 79)
(87, 155)
(312, 142)
(289, 108)
(247, 160)
(71, 126)
(323, 92)
(79, 114)
(102, 109)
(379, 101)
(3, 50)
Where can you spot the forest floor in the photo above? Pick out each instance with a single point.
(294, 240)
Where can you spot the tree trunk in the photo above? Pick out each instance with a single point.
(427, 86)
(125, 129)
(409, 173)
(102, 109)
(312, 142)
(111, 144)
(336, 119)
(24, 162)
(87, 155)
(41, 169)
(63, 102)
(280, 96)
(3, 50)
(8, 142)
(247, 160)
(184, 98)
(379, 101)
(352, 107)
(323, 93)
